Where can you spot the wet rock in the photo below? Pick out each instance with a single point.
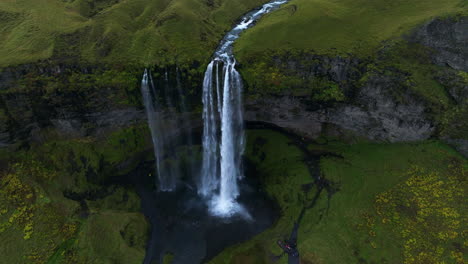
(69, 115)
(286, 112)
(461, 145)
(29, 106)
(449, 39)
(455, 85)
(375, 114)
(69, 127)
(378, 115)
(4, 132)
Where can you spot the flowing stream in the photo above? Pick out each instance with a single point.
(223, 134)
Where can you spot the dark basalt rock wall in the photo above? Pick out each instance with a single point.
(73, 101)
(379, 116)
(31, 105)
(374, 113)
(372, 109)
(449, 39)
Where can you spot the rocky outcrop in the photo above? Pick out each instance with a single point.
(4, 130)
(455, 85)
(461, 145)
(41, 98)
(380, 104)
(448, 38)
(69, 115)
(73, 101)
(338, 69)
(374, 114)
(378, 115)
(286, 112)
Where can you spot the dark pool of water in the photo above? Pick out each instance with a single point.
(182, 226)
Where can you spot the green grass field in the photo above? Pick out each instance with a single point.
(340, 26)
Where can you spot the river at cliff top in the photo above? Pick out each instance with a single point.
(182, 225)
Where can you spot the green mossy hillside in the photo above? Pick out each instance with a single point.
(59, 201)
(425, 210)
(182, 32)
(340, 27)
(117, 32)
(111, 237)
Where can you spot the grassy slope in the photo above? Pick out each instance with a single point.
(340, 26)
(147, 32)
(28, 28)
(41, 225)
(139, 31)
(349, 231)
(366, 170)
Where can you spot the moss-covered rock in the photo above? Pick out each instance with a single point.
(112, 237)
(55, 196)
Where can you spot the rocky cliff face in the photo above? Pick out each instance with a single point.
(373, 108)
(36, 98)
(72, 101)
(381, 101)
(374, 113)
(379, 116)
(449, 40)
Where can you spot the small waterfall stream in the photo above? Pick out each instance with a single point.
(223, 134)
(163, 124)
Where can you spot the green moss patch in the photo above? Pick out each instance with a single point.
(112, 237)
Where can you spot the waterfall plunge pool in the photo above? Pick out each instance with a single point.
(181, 224)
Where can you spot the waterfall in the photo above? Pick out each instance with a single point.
(223, 131)
(161, 124)
(210, 164)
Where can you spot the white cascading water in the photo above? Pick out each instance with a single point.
(167, 175)
(223, 134)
